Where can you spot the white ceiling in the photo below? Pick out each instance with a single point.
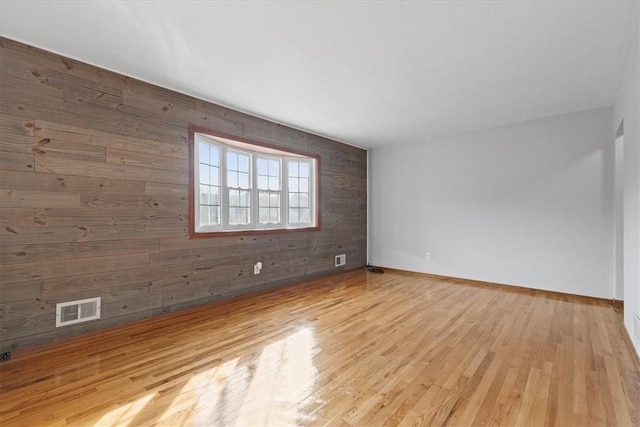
(366, 73)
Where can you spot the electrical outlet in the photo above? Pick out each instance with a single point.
(341, 260)
(428, 256)
(257, 267)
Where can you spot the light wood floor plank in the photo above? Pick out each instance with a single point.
(355, 349)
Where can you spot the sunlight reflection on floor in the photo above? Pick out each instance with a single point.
(286, 372)
(265, 390)
(125, 413)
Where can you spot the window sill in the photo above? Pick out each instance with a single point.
(254, 232)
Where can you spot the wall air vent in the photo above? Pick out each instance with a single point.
(70, 312)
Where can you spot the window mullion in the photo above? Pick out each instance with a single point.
(283, 219)
(310, 193)
(224, 190)
(253, 192)
(250, 189)
(196, 182)
(285, 192)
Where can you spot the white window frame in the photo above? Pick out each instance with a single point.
(312, 196)
(224, 145)
(256, 194)
(224, 200)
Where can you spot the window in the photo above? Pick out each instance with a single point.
(239, 185)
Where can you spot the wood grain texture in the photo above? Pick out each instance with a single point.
(353, 349)
(38, 199)
(11, 161)
(68, 183)
(94, 200)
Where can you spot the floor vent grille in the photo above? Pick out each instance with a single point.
(70, 312)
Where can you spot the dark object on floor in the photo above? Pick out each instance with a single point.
(5, 356)
(372, 269)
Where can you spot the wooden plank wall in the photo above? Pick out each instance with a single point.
(93, 200)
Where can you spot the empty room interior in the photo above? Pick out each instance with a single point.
(355, 213)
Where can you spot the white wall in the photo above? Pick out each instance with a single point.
(627, 108)
(527, 204)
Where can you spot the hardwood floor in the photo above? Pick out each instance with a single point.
(353, 349)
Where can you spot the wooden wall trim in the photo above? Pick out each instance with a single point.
(514, 288)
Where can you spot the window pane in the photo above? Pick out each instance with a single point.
(232, 179)
(274, 201)
(293, 168)
(293, 216)
(293, 184)
(304, 200)
(274, 183)
(263, 168)
(233, 215)
(243, 180)
(203, 152)
(293, 200)
(204, 174)
(263, 198)
(204, 195)
(204, 215)
(304, 170)
(215, 195)
(214, 175)
(263, 182)
(234, 197)
(245, 198)
(304, 185)
(274, 215)
(232, 161)
(243, 163)
(274, 168)
(264, 215)
(214, 213)
(244, 216)
(304, 215)
(214, 156)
